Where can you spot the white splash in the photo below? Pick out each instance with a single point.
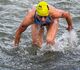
(66, 41)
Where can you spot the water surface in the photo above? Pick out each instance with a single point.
(12, 13)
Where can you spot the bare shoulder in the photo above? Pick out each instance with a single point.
(51, 7)
(31, 12)
(54, 9)
(55, 12)
(28, 19)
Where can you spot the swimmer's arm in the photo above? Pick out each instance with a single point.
(63, 14)
(26, 22)
(68, 18)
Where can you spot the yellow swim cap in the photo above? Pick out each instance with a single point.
(42, 9)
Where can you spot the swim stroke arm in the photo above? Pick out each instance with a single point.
(68, 18)
(19, 31)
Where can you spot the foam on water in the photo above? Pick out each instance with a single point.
(67, 41)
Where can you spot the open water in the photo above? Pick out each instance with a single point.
(66, 55)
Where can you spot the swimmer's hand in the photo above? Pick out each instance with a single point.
(15, 45)
(69, 28)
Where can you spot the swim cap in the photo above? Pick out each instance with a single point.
(42, 8)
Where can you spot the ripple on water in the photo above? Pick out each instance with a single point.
(22, 58)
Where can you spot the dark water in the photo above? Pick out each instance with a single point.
(25, 58)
